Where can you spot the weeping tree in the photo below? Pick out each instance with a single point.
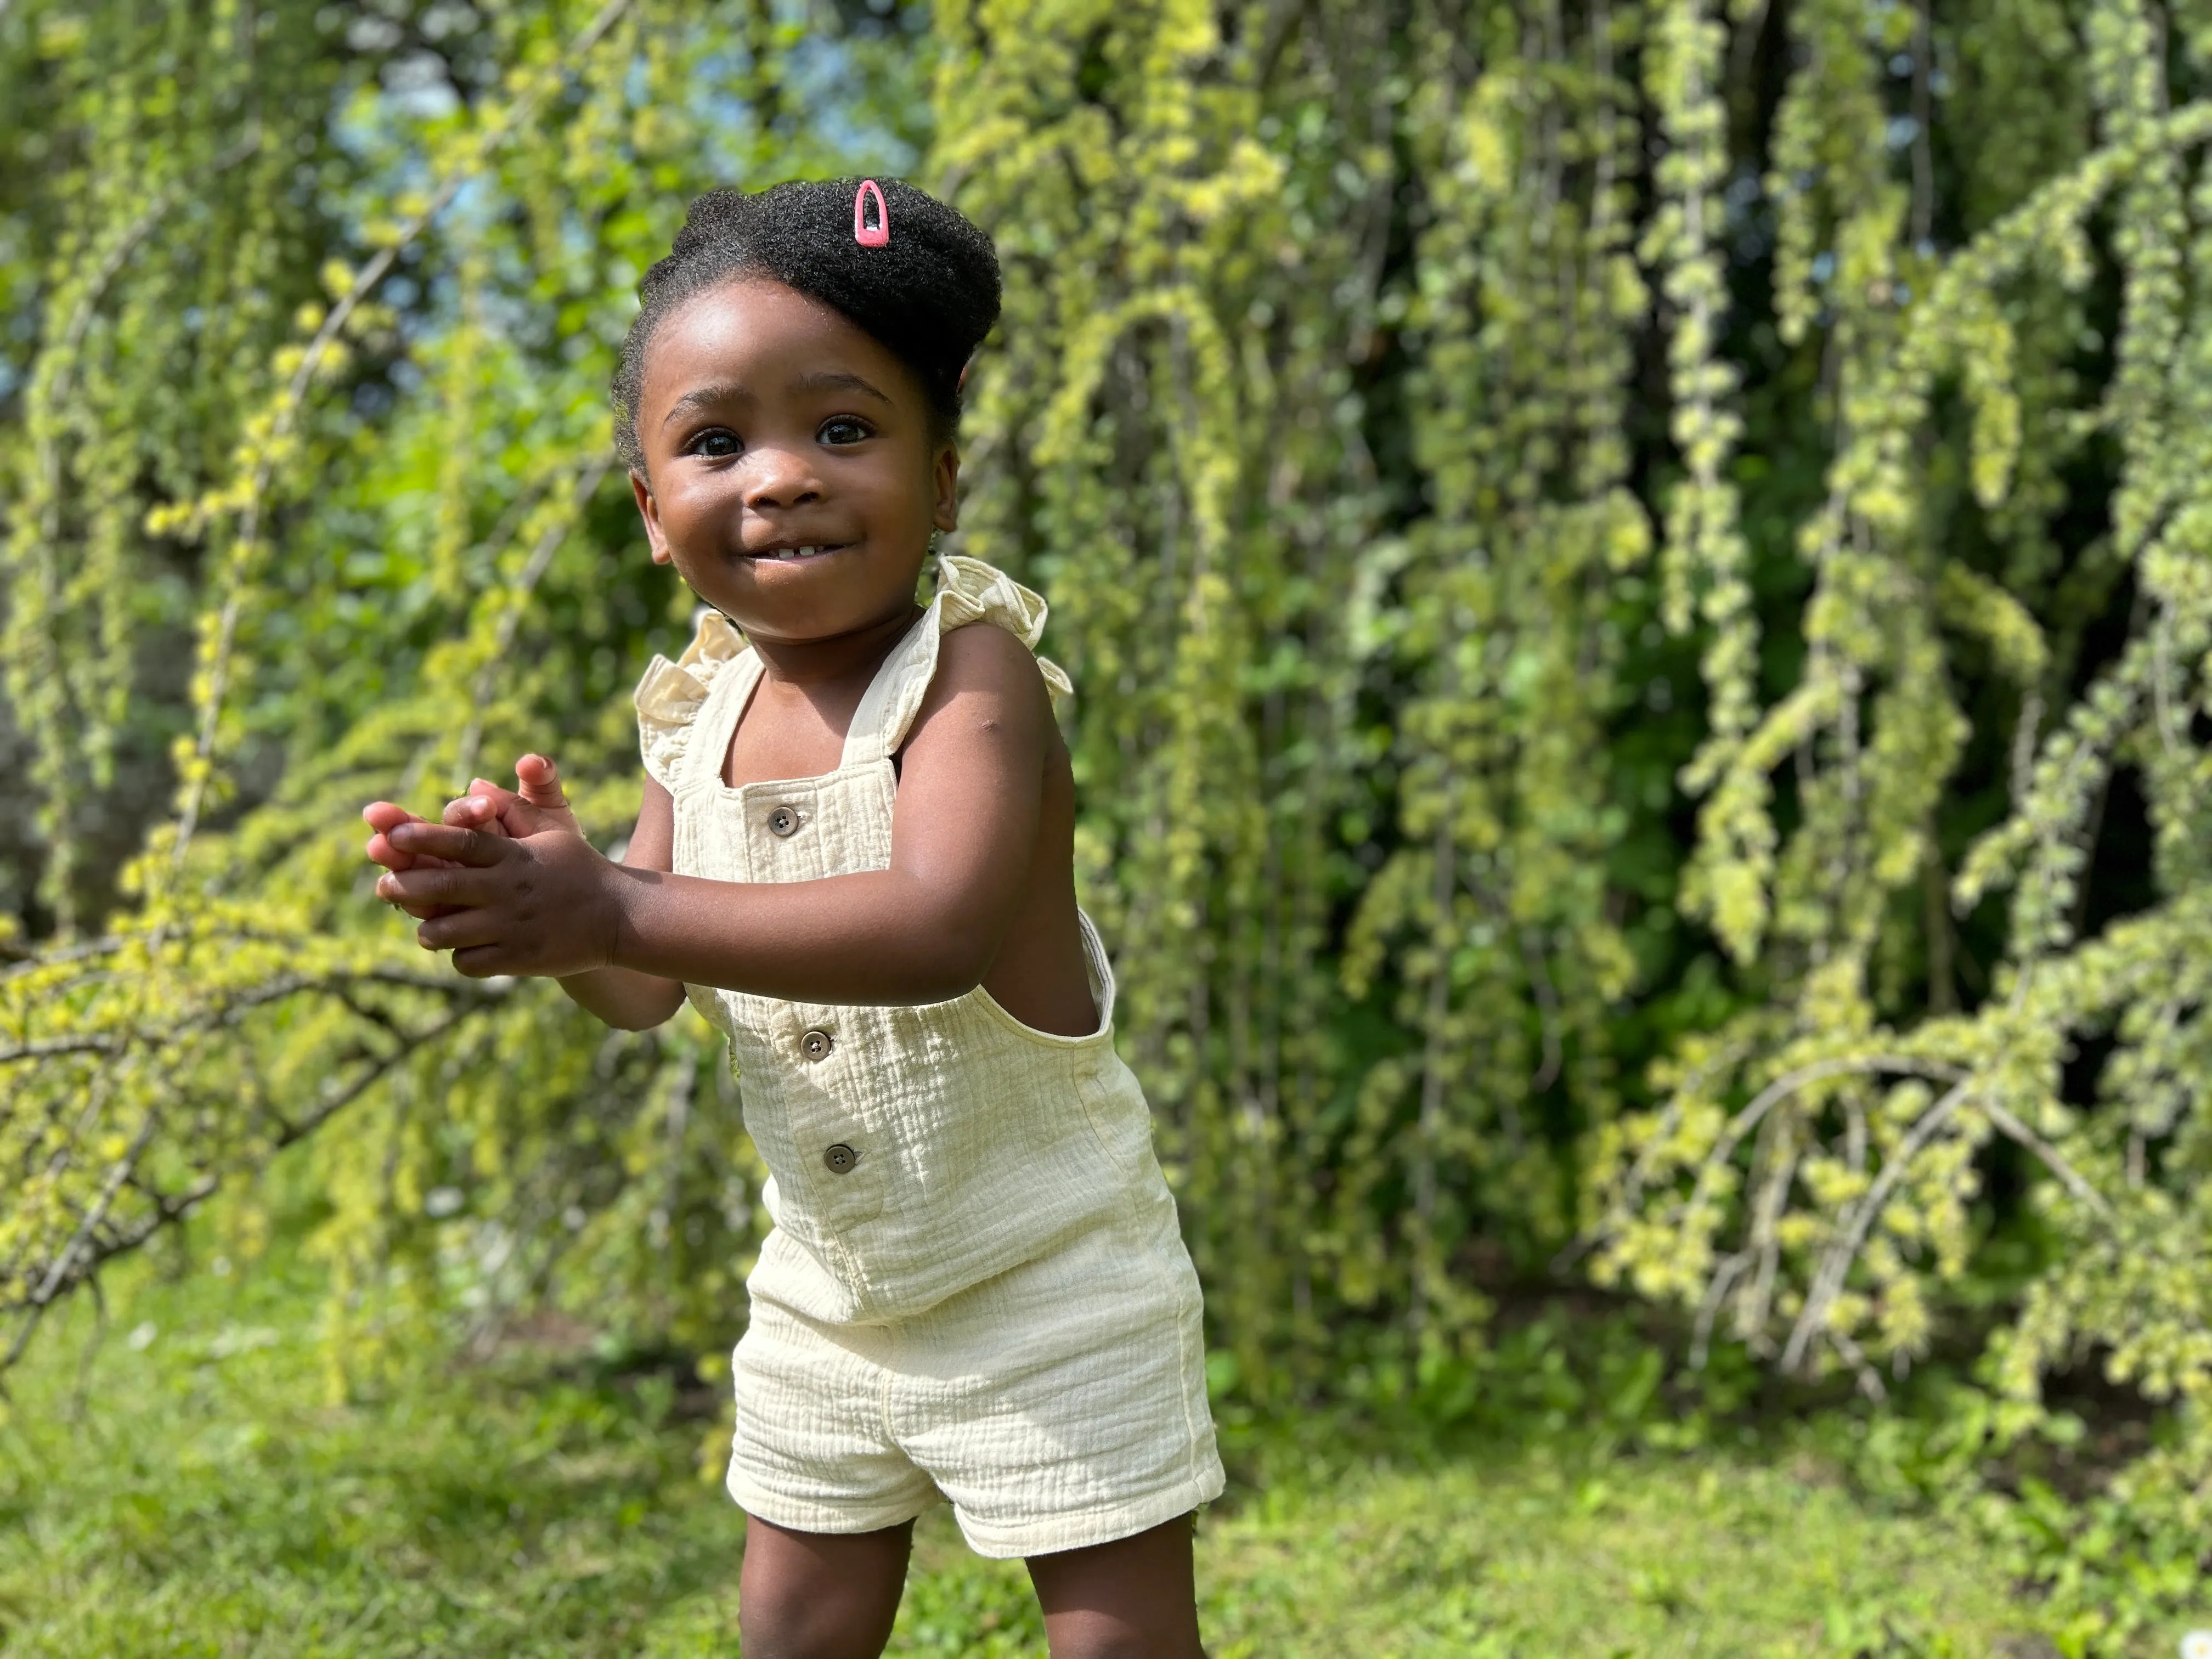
(375, 544)
(1633, 572)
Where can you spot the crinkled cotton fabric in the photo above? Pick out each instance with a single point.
(975, 1286)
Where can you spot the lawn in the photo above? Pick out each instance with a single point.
(208, 1500)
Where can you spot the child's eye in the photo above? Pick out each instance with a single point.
(844, 429)
(716, 443)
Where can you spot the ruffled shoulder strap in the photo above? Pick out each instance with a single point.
(968, 590)
(672, 694)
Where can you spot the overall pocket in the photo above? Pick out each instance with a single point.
(1115, 1101)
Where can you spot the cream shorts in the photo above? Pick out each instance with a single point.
(1058, 1405)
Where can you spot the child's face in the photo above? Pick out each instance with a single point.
(771, 424)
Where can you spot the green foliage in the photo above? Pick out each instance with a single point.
(1635, 573)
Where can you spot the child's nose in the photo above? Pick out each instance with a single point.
(780, 478)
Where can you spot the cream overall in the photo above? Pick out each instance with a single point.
(975, 1286)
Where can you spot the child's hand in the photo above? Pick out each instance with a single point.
(542, 904)
(540, 805)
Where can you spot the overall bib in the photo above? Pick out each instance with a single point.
(976, 1286)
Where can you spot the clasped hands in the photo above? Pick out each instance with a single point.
(507, 882)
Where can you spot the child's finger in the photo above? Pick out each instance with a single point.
(475, 811)
(458, 930)
(381, 851)
(383, 817)
(541, 781)
(479, 960)
(451, 887)
(477, 847)
(504, 805)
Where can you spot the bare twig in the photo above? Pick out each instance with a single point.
(2071, 1178)
(1836, 1260)
(1715, 1293)
(1790, 1084)
(1547, 1011)
(1869, 1380)
(82, 951)
(89, 1042)
(1764, 1242)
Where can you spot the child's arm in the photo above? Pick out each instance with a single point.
(926, 929)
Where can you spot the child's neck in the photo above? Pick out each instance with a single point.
(821, 664)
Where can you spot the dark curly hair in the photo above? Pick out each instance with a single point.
(930, 294)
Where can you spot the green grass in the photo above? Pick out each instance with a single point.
(208, 1501)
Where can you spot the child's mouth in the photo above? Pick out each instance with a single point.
(811, 551)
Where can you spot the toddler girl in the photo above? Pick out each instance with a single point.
(855, 856)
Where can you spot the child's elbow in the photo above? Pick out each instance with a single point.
(947, 981)
(957, 966)
(641, 1009)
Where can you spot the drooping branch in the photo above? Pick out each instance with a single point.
(289, 404)
(65, 1242)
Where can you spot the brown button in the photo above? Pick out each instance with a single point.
(817, 1044)
(841, 1158)
(782, 821)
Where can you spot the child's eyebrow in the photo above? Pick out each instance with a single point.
(705, 396)
(829, 380)
(709, 397)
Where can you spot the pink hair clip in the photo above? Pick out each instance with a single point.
(866, 235)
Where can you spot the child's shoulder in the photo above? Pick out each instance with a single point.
(985, 659)
(969, 592)
(987, 629)
(988, 687)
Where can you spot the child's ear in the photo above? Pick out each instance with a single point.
(945, 479)
(649, 510)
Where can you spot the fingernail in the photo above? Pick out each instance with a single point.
(478, 803)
